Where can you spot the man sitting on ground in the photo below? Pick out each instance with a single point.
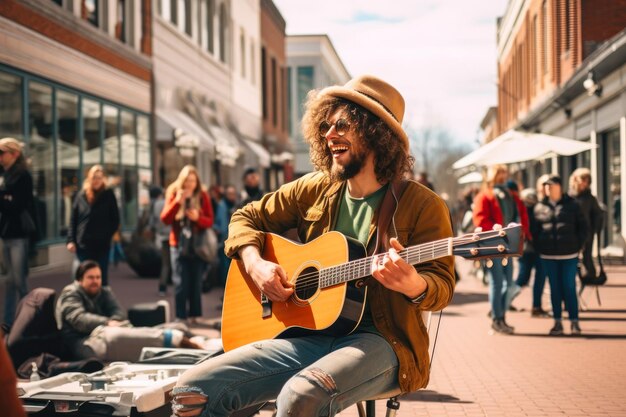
(93, 323)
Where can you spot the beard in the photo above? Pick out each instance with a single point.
(353, 167)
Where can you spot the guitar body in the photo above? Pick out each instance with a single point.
(336, 309)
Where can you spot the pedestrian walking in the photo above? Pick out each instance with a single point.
(95, 219)
(17, 222)
(495, 205)
(161, 236)
(559, 233)
(225, 209)
(252, 186)
(187, 209)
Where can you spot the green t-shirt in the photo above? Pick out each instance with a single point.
(354, 220)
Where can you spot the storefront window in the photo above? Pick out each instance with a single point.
(614, 180)
(10, 106)
(129, 169)
(111, 147)
(68, 152)
(91, 133)
(41, 151)
(304, 84)
(89, 11)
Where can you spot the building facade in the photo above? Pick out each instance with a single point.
(561, 71)
(274, 95)
(312, 63)
(75, 86)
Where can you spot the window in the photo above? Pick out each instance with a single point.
(223, 31)
(130, 204)
(92, 128)
(289, 101)
(68, 153)
(10, 105)
(535, 49)
(242, 48)
(89, 11)
(264, 82)
(252, 63)
(41, 151)
(544, 37)
(304, 84)
(111, 148)
(209, 25)
(174, 11)
(568, 25)
(274, 93)
(188, 18)
(121, 21)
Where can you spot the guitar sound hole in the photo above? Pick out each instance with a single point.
(307, 283)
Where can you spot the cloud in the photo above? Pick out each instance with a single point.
(440, 54)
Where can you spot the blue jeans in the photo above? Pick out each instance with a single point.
(15, 253)
(101, 258)
(309, 376)
(527, 262)
(500, 284)
(562, 276)
(187, 276)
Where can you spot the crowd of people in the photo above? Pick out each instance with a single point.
(361, 188)
(559, 223)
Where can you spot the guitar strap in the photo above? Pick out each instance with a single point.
(385, 215)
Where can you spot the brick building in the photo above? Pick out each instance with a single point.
(561, 66)
(274, 94)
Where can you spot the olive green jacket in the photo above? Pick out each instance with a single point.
(311, 204)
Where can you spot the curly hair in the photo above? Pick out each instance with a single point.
(391, 160)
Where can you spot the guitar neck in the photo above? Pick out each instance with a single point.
(361, 268)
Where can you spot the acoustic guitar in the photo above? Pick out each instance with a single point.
(328, 275)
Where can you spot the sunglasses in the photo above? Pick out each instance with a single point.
(342, 126)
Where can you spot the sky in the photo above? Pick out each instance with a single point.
(440, 54)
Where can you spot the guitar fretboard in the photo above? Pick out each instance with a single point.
(361, 268)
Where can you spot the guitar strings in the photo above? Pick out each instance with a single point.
(363, 266)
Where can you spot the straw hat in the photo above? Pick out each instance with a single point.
(377, 96)
(11, 145)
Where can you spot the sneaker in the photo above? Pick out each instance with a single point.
(539, 312)
(575, 329)
(557, 330)
(500, 326)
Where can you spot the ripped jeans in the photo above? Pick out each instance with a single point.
(309, 376)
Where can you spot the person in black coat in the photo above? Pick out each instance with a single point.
(95, 219)
(580, 182)
(17, 222)
(559, 232)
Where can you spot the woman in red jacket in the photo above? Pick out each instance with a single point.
(187, 206)
(496, 205)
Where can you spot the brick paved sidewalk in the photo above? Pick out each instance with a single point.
(475, 372)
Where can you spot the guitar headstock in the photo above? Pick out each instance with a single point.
(498, 243)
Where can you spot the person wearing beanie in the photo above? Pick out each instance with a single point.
(17, 222)
(93, 324)
(361, 155)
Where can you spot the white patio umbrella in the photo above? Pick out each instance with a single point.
(471, 178)
(515, 146)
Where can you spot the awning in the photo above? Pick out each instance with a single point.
(471, 178)
(261, 153)
(514, 146)
(225, 145)
(173, 123)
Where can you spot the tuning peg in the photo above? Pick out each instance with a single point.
(477, 264)
(474, 251)
(489, 263)
(505, 261)
(497, 227)
(501, 248)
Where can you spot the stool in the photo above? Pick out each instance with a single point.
(369, 408)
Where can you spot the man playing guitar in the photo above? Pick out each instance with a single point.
(361, 154)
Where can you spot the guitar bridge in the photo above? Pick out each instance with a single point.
(266, 305)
